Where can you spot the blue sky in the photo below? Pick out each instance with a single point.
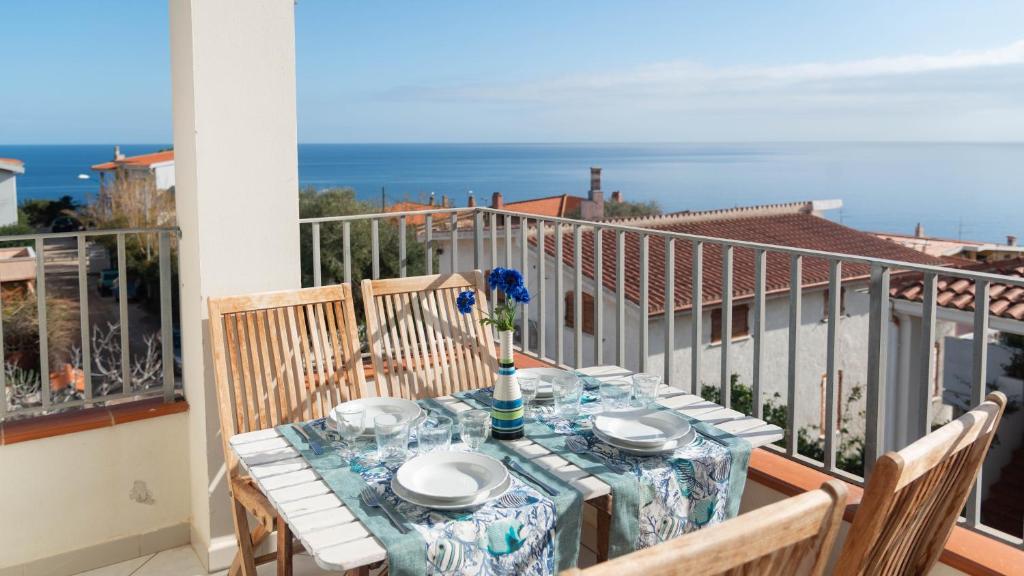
(528, 71)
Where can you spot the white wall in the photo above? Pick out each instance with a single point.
(8, 199)
(163, 174)
(74, 491)
(233, 78)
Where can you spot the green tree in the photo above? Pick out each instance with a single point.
(631, 209)
(343, 202)
(42, 213)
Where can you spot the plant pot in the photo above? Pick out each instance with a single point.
(507, 402)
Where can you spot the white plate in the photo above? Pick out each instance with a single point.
(438, 505)
(670, 446)
(642, 428)
(452, 477)
(545, 388)
(405, 409)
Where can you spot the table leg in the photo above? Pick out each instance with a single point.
(284, 548)
(603, 505)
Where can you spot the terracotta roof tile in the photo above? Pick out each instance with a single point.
(793, 230)
(1005, 300)
(554, 206)
(140, 160)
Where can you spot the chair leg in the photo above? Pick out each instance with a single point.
(247, 563)
(284, 548)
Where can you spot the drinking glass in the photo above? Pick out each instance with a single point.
(434, 433)
(349, 423)
(615, 394)
(645, 389)
(568, 392)
(392, 434)
(475, 426)
(528, 386)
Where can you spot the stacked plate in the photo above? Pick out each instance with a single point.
(404, 409)
(545, 388)
(644, 431)
(451, 480)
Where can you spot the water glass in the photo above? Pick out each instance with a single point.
(568, 392)
(615, 394)
(434, 433)
(475, 426)
(392, 434)
(349, 423)
(528, 386)
(645, 389)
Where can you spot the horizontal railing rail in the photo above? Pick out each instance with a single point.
(103, 368)
(490, 237)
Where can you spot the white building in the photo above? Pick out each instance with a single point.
(157, 165)
(9, 170)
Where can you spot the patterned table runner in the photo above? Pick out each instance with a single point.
(527, 533)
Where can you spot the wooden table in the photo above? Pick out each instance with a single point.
(338, 541)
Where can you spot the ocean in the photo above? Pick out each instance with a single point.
(973, 191)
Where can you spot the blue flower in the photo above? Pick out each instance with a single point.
(519, 294)
(496, 279)
(466, 301)
(511, 280)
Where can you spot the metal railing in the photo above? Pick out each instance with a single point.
(542, 244)
(108, 372)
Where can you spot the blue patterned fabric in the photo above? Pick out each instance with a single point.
(525, 533)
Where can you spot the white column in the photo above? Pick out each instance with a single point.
(236, 165)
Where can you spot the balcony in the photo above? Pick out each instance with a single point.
(113, 465)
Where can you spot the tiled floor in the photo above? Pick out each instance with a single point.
(183, 562)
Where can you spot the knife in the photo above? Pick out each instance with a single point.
(316, 442)
(515, 467)
(316, 448)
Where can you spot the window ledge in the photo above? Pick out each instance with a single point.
(49, 425)
(735, 340)
(966, 551)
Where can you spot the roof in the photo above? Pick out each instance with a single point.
(12, 165)
(142, 160)
(1005, 301)
(795, 229)
(555, 206)
(414, 220)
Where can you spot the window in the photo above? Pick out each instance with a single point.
(842, 304)
(588, 311)
(740, 323)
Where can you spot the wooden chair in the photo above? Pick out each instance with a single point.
(914, 496)
(780, 538)
(278, 357)
(421, 345)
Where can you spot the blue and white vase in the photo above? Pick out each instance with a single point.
(507, 403)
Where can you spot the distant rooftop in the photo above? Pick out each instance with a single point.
(11, 165)
(141, 161)
(1005, 301)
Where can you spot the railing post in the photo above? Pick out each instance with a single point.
(645, 298)
(878, 343)
(620, 298)
(44, 345)
(795, 299)
(122, 284)
(492, 229)
(524, 256)
(166, 317)
(725, 382)
(670, 307)
(598, 297)
(316, 254)
(979, 383)
(696, 317)
(577, 301)
(542, 292)
(831, 419)
(508, 239)
(346, 246)
(375, 246)
(760, 268)
(478, 240)
(3, 365)
(559, 297)
(83, 315)
(926, 366)
(429, 231)
(454, 223)
(402, 269)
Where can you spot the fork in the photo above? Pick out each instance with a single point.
(371, 499)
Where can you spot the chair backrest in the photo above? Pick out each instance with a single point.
(778, 539)
(421, 345)
(283, 356)
(914, 496)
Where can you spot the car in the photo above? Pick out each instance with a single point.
(107, 281)
(66, 224)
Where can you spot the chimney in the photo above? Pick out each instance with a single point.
(472, 200)
(593, 207)
(617, 197)
(445, 202)
(431, 198)
(1011, 240)
(117, 153)
(497, 202)
(919, 231)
